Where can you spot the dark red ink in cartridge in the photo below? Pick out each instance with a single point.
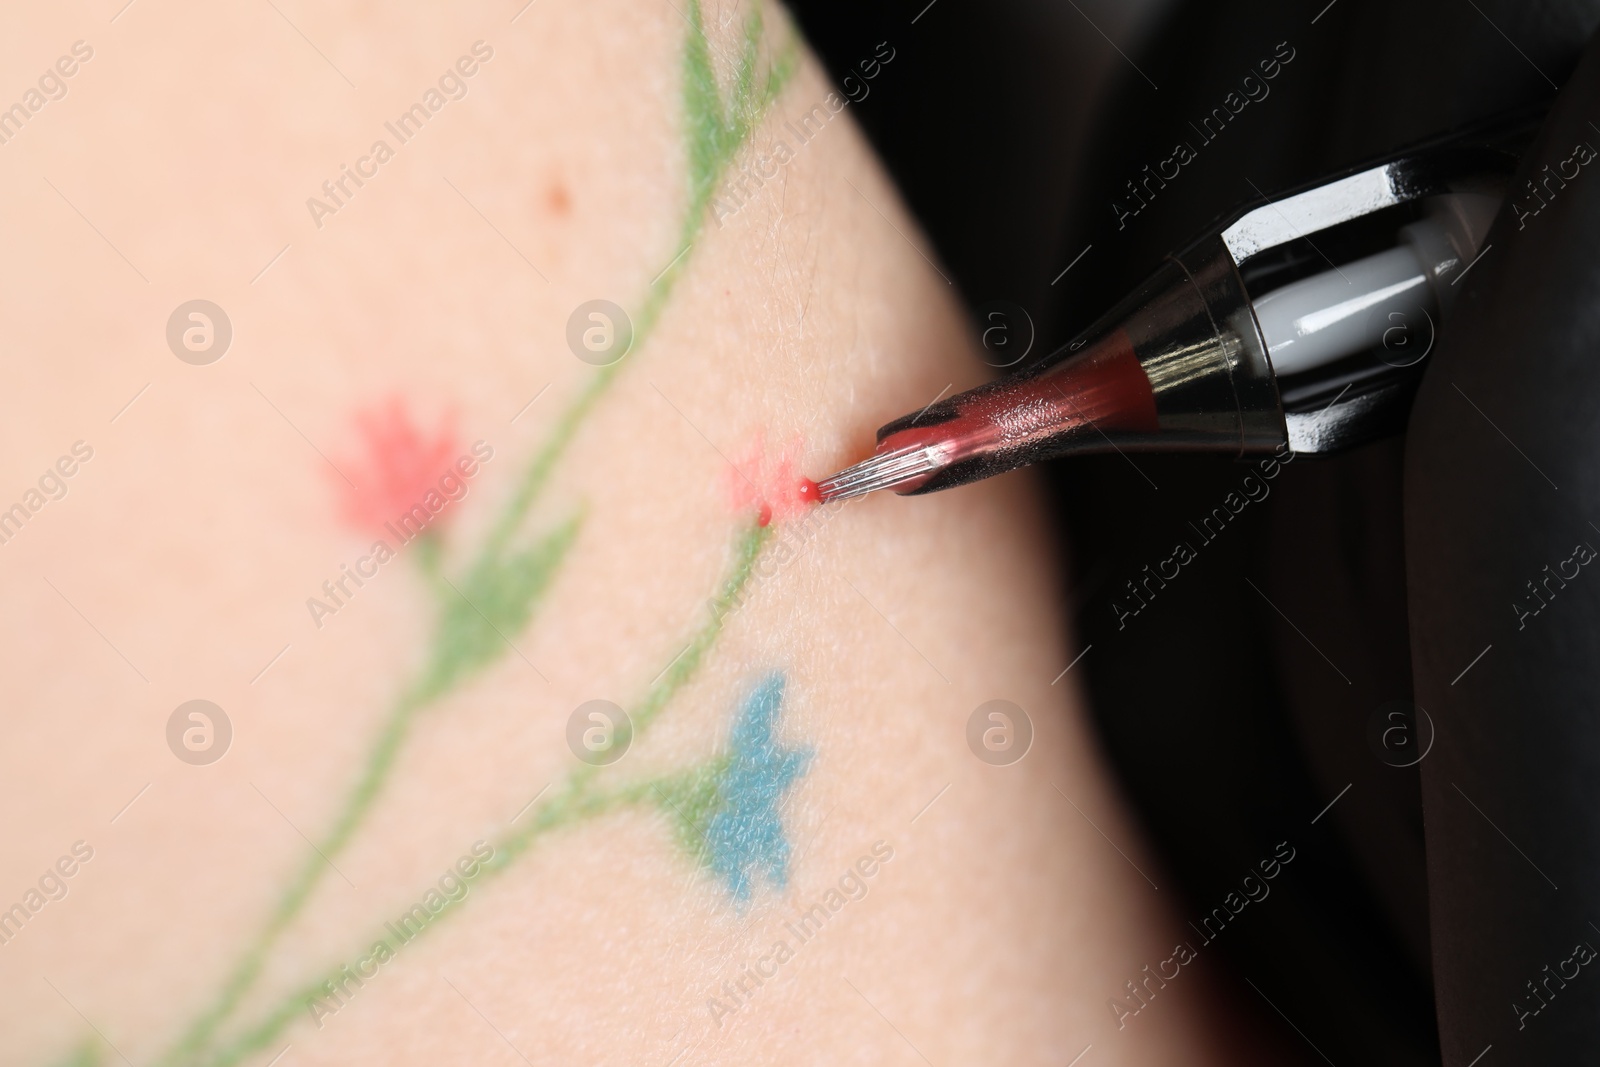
(1013, 421)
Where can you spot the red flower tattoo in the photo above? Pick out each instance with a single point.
(402, 468)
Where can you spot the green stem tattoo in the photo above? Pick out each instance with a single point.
(579, 799)
(497, 593)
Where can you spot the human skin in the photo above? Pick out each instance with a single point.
(181, 559)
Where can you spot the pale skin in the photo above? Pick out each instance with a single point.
(179, 563)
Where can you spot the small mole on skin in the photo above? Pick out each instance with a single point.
(558, 200)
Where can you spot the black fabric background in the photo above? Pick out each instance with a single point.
(1501, 485)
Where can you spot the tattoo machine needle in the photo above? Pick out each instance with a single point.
(1251, 339)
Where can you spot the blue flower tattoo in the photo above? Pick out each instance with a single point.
(726, 809)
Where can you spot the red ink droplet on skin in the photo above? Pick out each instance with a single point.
(767, 481)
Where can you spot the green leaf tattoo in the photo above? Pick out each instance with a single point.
(495, 600)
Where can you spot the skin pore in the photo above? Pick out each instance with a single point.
(797, 680)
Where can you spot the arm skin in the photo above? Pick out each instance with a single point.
(623, 906)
